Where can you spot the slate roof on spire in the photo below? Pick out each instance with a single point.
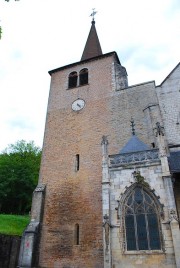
(174, 161)
(92, 47)
(134, 145)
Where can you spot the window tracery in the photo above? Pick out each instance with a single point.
(140, 219)
(141, 222)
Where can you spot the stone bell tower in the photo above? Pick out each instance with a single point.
(67, 205)
(84, 208)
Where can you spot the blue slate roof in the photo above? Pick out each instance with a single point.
(174, 161)
(134, 145)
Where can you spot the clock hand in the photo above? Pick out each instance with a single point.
(78, 105)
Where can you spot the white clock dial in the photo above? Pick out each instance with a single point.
(78, 104)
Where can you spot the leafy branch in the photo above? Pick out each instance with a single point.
(0, 26)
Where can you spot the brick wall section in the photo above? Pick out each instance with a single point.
(75, 197)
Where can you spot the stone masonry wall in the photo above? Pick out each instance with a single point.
(169, 100)
(9, 251)
(74, 197)
(120, 179)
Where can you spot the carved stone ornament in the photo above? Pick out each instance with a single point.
(163, 152)
(131, 158)
(173, 215)
(159, 130)
(40, 188)
(104, 140)
(106, 226)
(140, 179)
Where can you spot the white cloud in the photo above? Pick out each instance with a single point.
(42, 35)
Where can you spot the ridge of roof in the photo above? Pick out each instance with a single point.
(84, 61)
(169, 75)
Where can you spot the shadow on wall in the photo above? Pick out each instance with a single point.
(9, 251)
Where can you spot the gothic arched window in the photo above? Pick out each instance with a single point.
(83, 77)
(141, 221)
(72, 80)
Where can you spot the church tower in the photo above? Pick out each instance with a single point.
(77, 117)
(71, 163)
(78, 110)
(86, 182)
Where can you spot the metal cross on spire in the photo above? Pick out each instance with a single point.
(132, 125)
(93, 14)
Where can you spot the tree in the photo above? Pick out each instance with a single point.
(0, 26)
(19, 170)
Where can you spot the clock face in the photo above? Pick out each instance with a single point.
(78, 104)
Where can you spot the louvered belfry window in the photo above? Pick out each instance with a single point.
(72, 80)
(141, 221)
(83, 77)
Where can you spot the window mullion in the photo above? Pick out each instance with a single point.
(147, 229)
(143, 228)
(136, 236)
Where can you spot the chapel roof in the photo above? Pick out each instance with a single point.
(170, 74)
(134, 145)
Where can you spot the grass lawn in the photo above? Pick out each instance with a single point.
(13, 224)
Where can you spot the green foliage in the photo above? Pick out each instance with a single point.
(0, 26)
(19, 170)
(13, 224)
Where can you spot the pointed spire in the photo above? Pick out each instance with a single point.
(92, 47)
(134, 144)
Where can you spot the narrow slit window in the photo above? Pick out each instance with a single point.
(83, 77)
(76, 234)
(77, 165)
(72, 80)
(153, 145)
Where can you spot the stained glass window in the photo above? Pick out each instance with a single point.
(141, 221)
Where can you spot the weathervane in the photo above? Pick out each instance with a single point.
(93, 13)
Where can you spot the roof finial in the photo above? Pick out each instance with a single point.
(92, 14)
(132, 125)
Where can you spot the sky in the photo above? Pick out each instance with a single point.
(41, 35)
